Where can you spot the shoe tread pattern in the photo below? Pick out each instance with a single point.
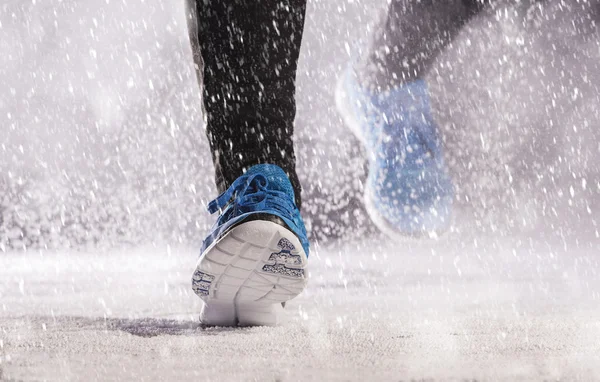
(257, 263)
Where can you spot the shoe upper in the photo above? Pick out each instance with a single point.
(408, 182)
(263, 190)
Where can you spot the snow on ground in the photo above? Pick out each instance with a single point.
(452, 309)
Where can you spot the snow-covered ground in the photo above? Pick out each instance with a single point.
(449, 310)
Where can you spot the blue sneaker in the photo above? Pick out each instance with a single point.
(408, 190)
(255, 257)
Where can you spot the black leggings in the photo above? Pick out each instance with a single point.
(248, 59)
(412, 36)
(250, 50)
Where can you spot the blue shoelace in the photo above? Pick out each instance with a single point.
(250, 193)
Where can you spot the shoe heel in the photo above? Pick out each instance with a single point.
(253, 314)
(218, 314)
(248, 273)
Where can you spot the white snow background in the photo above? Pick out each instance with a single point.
(105, 172)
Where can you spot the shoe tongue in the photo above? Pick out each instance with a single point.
(276, 177)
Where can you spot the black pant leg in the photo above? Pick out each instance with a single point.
(413, 34)
(250, 50)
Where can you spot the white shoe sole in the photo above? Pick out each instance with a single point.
(384, 226)
(344, 107)
(244, 277)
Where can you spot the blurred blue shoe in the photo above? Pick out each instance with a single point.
(255, 257)
(408, 190)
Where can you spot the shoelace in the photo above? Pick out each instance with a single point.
(250, 193)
